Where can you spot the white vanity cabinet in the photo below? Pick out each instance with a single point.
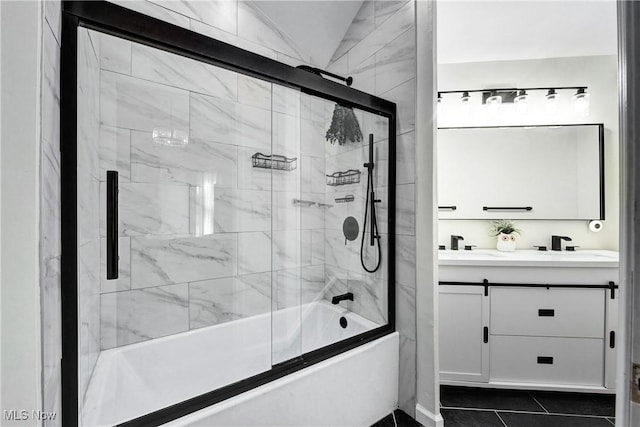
(512, 332)
(464, 314)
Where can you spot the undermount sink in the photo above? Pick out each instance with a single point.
(582, 258)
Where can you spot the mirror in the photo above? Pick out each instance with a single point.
(523, 172)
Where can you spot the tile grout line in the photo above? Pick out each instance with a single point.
(500, 418)
(536, 400)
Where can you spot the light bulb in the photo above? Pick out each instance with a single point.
(581, 102)
(521, 102)
(465, 104)
(551, 106)
(493, 102)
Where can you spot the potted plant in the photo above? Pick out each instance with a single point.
(506, 232)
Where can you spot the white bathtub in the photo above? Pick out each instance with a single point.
(134, 380)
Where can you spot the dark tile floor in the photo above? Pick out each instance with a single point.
(398, 418)
(483, 407)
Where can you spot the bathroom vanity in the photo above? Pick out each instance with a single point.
(529, 319)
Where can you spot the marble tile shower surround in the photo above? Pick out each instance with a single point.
(120, 144)
(236, 22)
(88, 204)
(50, 250)
(226, 273)
(379, 51)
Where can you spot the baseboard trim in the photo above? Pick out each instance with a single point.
(427, 418)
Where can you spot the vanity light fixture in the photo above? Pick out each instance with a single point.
(551, 105)
(521, 102)
(581, 102)
(465, 103)
(520, 98)
(493, 102)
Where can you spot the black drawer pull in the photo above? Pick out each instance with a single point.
(546, 312)
(507, 208)
(545, 360)
(112, 225)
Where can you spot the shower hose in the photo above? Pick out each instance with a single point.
(374, 223)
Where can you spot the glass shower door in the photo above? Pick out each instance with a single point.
(288, 205)
(339, 297)
(175, 217)
(227, 227)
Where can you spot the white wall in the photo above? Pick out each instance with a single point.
(427, 350)
(599, 73)
(20, 345)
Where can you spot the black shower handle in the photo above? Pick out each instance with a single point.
(112, 225)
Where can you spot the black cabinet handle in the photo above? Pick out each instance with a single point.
(612, 339)
(112, 225)
(447, 208)
(507, 208)
(485, 334)
(545, 360)
(546, 312)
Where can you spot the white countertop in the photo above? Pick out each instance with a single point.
(529, 258)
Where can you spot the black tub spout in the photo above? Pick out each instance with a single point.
(336, 299)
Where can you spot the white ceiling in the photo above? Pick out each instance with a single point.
(317, 27)
(477, 31)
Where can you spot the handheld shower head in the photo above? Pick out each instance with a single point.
(370, 204)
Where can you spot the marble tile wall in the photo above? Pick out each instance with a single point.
(50, 211)
(344, 258)
(237, 22)
(205, 238)
(379, 51)
(88, 209)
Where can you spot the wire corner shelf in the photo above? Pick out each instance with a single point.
(351, 176)
(274, 161)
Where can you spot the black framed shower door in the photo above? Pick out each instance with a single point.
(120, 22)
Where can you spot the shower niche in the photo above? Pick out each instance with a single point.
(221, 279)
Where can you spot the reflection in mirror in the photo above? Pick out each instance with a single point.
(540, 172)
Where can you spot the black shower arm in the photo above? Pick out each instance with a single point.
(348, 80)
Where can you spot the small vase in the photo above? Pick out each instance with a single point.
(506, 242)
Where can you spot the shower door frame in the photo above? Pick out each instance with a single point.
(121, 22)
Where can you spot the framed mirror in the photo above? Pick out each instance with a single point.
(521, 172)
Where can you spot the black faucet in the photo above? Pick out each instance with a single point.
(336, 299)
(454, 242)
(556, 242)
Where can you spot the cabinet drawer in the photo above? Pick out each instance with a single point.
(554, 312)
(573, 361)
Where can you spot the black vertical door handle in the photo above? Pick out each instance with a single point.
(112, 225)
(485, 334)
